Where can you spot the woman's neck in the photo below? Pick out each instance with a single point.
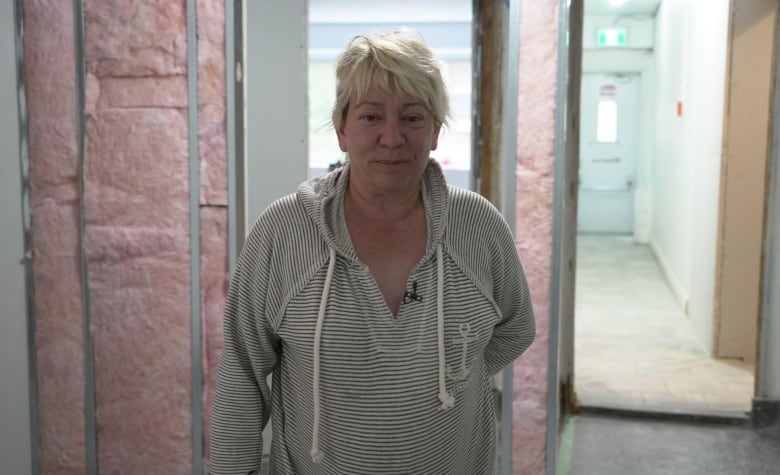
(381, 208)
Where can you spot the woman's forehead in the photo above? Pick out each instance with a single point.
(377, 96)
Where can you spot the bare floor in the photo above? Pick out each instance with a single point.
(635, 348)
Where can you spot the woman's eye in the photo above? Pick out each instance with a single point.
(370, 117)
(413, 119)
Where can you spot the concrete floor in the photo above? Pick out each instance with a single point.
(602, 444)
(652, 401)
(635, 348)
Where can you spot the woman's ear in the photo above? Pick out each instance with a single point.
(435, 139)
(342, 138)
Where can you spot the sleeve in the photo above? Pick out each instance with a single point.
(242, 399)
(516, 329)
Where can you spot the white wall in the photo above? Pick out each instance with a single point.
(691, 45)
(276, 106)
(671, 168)
(639, 30)
(15, 441)
(704, 104)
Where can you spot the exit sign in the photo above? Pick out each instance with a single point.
(612, 36)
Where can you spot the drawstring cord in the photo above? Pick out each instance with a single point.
(316, 453)
(447, 401)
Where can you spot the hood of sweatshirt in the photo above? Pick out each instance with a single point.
(323, 199)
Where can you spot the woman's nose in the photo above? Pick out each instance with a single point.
(391, 134)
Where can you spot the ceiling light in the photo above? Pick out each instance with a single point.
(617, 3)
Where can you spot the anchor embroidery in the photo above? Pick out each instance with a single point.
(465, 337)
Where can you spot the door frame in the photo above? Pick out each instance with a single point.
(561, 394)
(561, 399)
(248, 134)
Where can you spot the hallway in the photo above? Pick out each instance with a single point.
(634, 348)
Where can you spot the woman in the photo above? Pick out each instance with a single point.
(381, 299)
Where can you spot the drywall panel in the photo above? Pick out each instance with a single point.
(15, 428)
(744, 177)
(704, 110)
(276, 104)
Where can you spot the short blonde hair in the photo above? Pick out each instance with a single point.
(395, 62)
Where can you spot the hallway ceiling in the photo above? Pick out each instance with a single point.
(629, 7)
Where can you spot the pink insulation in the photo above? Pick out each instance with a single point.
(137, 228)
(51, 109)
(535, 188)
(137, 235)
(137, 242)
(214, 282)
(211, 102)
(213, 192)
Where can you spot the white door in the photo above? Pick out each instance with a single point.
(608, 142)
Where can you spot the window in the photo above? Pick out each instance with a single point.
(606, 123)
(333, 23)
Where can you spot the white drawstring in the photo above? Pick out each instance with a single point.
(447, 401)
(316, 453)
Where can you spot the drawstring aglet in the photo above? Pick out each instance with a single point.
(316, 455)
(447, 401)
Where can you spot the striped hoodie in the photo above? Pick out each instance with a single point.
(356, 390)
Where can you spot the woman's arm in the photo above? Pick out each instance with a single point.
(242, 400)
(516, 329)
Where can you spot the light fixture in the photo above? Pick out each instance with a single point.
(617, 3)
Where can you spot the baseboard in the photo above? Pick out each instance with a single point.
(699, 417)
(671, 278)
(765, 412)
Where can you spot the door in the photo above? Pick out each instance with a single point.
(608, 142)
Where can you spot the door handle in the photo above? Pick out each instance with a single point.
(606, 160)
(605, 189)
(610, 189)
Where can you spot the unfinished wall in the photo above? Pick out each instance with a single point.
(135, 290)
(50, 71)
(136, 283)
(534, 222)
(212, 141)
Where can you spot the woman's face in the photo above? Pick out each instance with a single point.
(388, 138)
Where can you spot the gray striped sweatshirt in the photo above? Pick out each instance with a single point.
(356, 390)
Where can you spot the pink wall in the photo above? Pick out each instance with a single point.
(136, 237)
(213, 190)
(51, 110)
(535, 181)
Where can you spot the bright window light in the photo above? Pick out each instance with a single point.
(606, 128)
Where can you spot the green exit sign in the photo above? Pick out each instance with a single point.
(612, 36)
